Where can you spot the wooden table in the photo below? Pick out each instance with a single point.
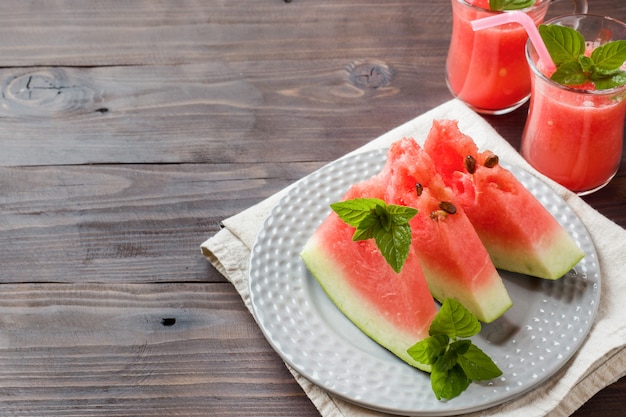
(128, 130)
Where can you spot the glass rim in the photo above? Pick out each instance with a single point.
(536, 71)
(536, 5)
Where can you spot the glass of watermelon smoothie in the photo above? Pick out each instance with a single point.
(487, 69)
(575, 135)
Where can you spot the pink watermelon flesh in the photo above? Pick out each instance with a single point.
(394, 309)
(453, 259)
(518, 232)
(446, 259)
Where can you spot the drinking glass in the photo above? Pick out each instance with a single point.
(487, 69)
(575, 135)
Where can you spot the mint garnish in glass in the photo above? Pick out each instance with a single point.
(455, 362)
(510, 4)
(576, 66)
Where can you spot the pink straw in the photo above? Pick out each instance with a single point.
(528, 23)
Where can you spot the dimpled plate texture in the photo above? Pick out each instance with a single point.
(546, 325)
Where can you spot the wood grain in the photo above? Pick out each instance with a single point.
(137, 350)
(110, 33)
(184, 113)
(124, 223)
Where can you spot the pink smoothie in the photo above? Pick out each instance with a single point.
(575, 136)
(487, 69)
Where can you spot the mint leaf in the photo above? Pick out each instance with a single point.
(598, 73)
(449, 383)
(460, 347)
(387, 224)
(364, 234)
(563, 43)
(427, 351)
(454, 363)
(477, 365)
(569, 73)
(400, 214)
(454, 320)
(567, 49)
(383, 217)
(610, 56)
(356, 211)
(510, 4)
(447, 378)
(612, 81)
(446, 361)
(394, 244)
(586, 64)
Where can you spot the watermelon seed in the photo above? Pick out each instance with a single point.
(419, 188)
(470, 164)
(491, 161)
(447, 207)
(438, 215)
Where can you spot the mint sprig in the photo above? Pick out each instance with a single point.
(573, 68)
(510, 4)
(455, 362)
(387, 224)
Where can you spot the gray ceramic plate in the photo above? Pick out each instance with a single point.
(534, 339)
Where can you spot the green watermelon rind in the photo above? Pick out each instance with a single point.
(361, 312)
(487, 304)
(551, 260)
(550, 257)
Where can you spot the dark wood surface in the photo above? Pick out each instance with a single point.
(128, 130)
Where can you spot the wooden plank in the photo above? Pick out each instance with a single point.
(142, 97)
(113, 32)
(138, 350)
(190, 113)
(124, 223)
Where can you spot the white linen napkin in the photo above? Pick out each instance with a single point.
(599, 362)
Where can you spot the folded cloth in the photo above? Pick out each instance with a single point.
(599, 362)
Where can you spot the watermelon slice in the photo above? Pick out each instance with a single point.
(453, 259)
(394, 309)
(518, 232)
(446, 258)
